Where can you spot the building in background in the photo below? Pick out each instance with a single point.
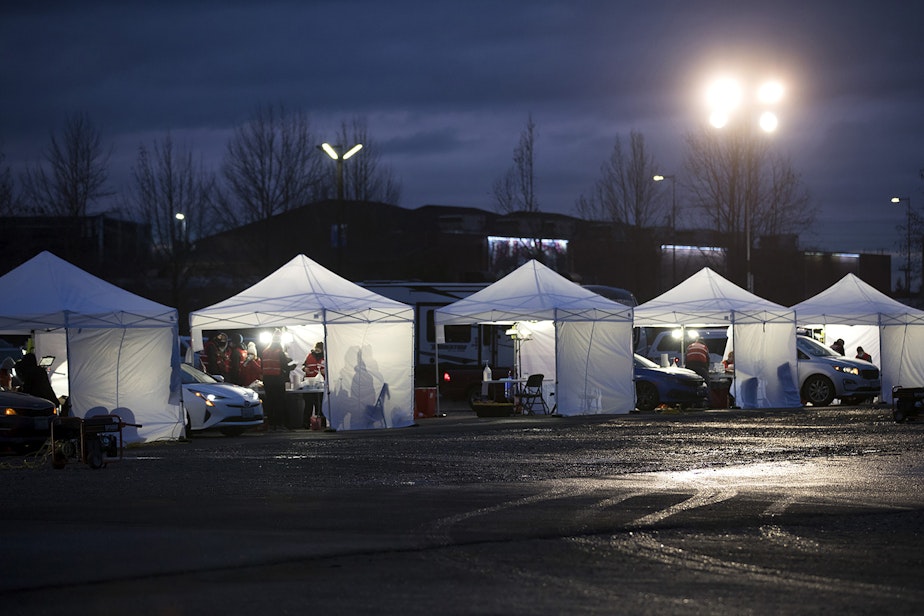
(375, 241)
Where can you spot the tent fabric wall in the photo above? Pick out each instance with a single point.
(764, 375)
(372, 386)
(866, 336)
(902, 357)
(368, 339)
(121, 350)
(537, 355)
(132, 387)
(589, 354)
(851, 301)
(763, 332)
(592, 355)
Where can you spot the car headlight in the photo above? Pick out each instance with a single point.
(9, 411)
(209, 399)
(848, 370)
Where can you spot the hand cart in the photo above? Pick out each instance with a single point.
(90, 440)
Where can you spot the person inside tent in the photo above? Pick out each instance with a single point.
(276, 367)
(314, 367)
(697, 358)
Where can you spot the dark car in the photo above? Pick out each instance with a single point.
(655, 386)
(25, 421)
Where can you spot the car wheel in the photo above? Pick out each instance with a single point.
(646, 396)
(94, 453)
(232, 431)
(188, 427)
(818, 389)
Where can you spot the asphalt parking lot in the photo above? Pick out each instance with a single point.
(752, 512)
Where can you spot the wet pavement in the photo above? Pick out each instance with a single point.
(749, 512)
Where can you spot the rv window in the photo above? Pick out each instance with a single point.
(454, 333)
(459, 333)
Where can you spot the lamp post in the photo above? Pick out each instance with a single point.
(907, 201)
(338, 155)
(726, 98)
(661, 178)
(182, 218)
(179, 256)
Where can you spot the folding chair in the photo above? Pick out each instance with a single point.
(531, 396)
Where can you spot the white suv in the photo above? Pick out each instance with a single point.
(824, 375)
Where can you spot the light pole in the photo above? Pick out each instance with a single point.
(179, 256)
(726, 98)
(336, 153)
(661, 178)
(182, 218)
(907, 201)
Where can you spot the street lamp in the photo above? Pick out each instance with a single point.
(182, 218)
(661, 178)
(336, 153)
(179, 255)
(726, 99)
(907, 201)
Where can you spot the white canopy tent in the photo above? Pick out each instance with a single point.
(581, 342)
(764, 334)
(368, 339)
(119, 350)
(890, 331)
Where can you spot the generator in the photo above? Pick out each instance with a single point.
(906, 402)
(91, 440)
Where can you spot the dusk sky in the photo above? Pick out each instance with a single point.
(446, 87)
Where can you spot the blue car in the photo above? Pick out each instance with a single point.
(655, 386)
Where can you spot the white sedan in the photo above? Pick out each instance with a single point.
(211, 404)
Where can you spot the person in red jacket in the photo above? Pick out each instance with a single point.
(314, 366)
(236, 356)
(861, 354)
(216, 355)
(697, 358)
(276, 368)
(251, 370)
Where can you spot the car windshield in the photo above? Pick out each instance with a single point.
(813, 348)
(192, 375)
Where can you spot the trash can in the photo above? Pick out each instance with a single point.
(424, 402)
(295, 410)
(718, 392)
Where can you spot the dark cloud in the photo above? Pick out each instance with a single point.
(446, 86)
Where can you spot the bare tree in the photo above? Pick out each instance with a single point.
(734, 175)
(625, 192)
(516, 189)
(365, 178)
(175, 196)
(627, 195)
(744, 190)
(76, 173)
(270, 165)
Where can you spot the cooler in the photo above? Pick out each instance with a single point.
(424, 402)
